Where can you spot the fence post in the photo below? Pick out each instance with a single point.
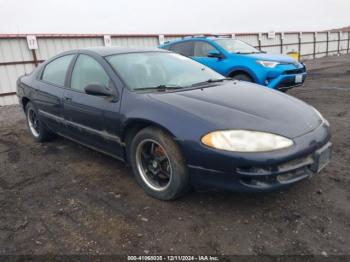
(35, 59)
(107, 40)
(315, 39)
(348, 42)
(281, 42)
(299, 44)
(339, 34)
(161, 39)
(327, 46)
(33, 45)
(259, 40)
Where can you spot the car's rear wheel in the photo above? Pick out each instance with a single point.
(158, 164)
(36, 127)
(242, 77)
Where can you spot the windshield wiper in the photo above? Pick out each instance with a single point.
(209, 81)
(160, 88)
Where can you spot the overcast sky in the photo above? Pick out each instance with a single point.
(171, 16)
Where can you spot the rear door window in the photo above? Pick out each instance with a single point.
(202, 48)
(55, 71)
(185, 48)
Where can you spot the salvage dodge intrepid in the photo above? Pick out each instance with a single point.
(177, 122)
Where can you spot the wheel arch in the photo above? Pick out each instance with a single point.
(240, 71)
(25, 100)
(132, 127)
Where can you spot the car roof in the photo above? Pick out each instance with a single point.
(106, 51)
(193, 38)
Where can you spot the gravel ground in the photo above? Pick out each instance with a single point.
(62, 198)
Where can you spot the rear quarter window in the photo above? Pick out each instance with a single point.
(55, 71)
(185, 48)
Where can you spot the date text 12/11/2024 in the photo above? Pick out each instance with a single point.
(173, 258)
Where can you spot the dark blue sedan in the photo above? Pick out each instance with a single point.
(175, 121)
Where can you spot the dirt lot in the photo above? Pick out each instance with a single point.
(62, 198)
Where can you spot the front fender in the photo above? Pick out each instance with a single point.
(171, 118)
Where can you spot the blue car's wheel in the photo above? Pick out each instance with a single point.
(242, 77)
(158, 164)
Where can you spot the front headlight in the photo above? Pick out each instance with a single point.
(245, 141)
(269, 64)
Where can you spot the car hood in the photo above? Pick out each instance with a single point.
(270, 57)
(242, 105)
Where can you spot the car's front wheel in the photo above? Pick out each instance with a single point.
(36, 127)
(158, 164)
(242, 77)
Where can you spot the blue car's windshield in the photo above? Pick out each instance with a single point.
(237, 46)
(152, 70)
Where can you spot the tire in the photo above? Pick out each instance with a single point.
(36, 126)
(243, 77)
(172, 179)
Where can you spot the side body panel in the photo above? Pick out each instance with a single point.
(95, 120)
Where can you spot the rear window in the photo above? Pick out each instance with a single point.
(185, 48)
(55, 72)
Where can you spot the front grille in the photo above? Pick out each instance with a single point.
(295, 71)
(284, 167)
(286, 83)
(285, 178)
(289, 82)
(265, 177)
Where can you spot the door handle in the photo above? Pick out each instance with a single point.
(67, 98)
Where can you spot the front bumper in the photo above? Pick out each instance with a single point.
(257, 172)
(258, 179)
(284, 82)
(287, 78)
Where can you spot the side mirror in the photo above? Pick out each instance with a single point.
(215, 53)
(97, 90)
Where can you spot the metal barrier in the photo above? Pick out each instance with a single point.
(16, 58)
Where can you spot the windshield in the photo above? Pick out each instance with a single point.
(149, 70)
(237, 46)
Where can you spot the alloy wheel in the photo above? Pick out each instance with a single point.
(33, 122)
(153, 164)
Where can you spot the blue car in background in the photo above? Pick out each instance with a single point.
(239, 60)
